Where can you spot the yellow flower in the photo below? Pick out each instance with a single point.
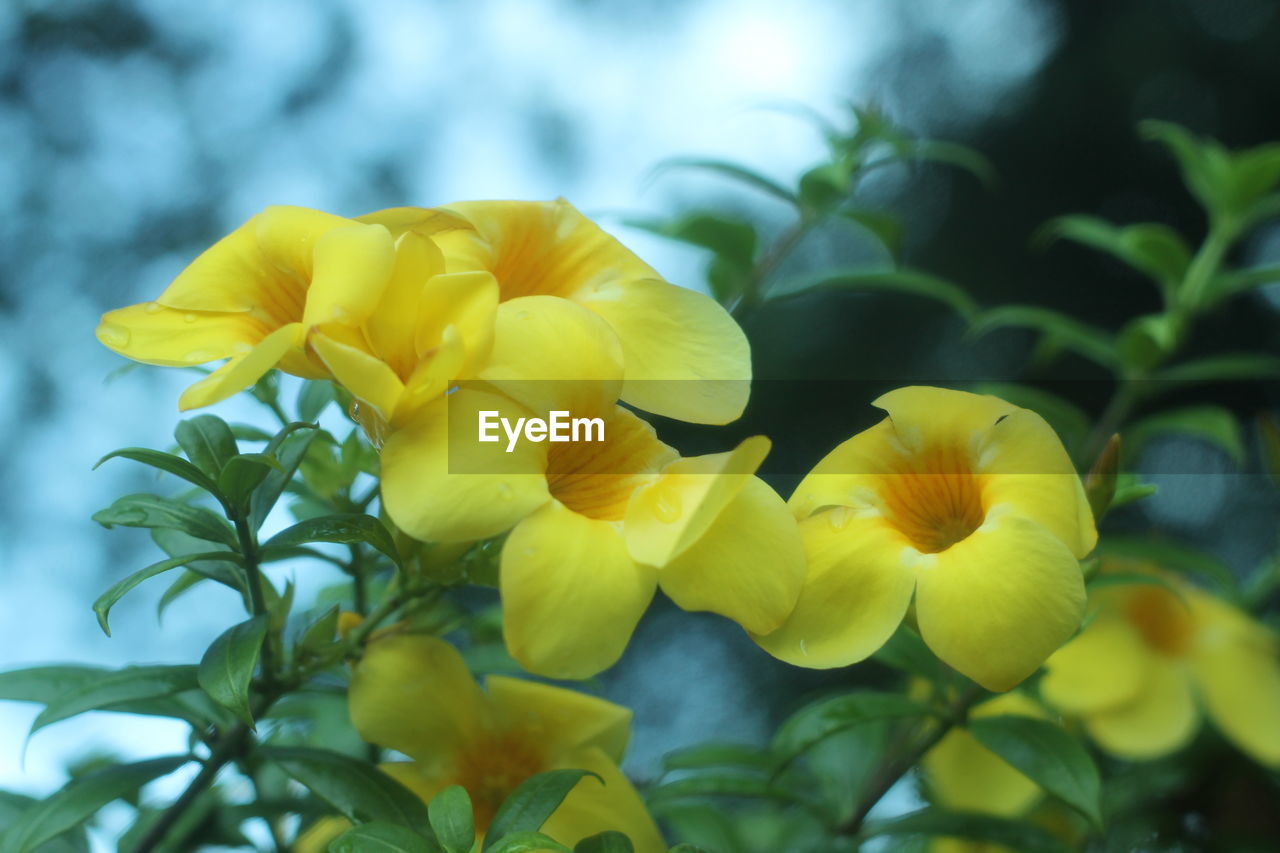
(414, 694)
(251, 297)
(684, 356)
(595, 526)
(1139, 673)
(963, 775)
(967, 502)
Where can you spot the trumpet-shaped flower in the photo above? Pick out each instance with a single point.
(414, 694)
(1154, 656)
(967, 502)
(683, 355)
(595, 525)
(252, 296)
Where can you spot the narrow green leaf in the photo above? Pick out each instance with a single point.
(729, 170)
(1231, 283)
(1213, 424)
(825, 717)
(12, 806)
(1227, 367)
(527, 842)
(452, 820)
(883, 226)
(904, 281)
(227, 666)
(1205, 165)
(322, 632)
(175, 465)
(825, 186)
(705, 755)
(185, 582)
(359, 791)
(81, 798)
(116, 688)
(532, 803)
(1062, 331)
(381, 838)
(289, 447)
(960, 156)
(314, 398)
(686, 848)
(1157, 251)
(102, 607)
(142, 510)
(907, 652)
(1128, 490)
(605, 842)
(343, 528)
(721, 784)
(243, 473)
(972, 826)
(207, 441)
(1046, 755)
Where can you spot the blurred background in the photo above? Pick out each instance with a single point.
(134, 133)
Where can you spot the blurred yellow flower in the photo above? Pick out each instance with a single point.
(1140, 672)
(684, 356)
(251, 297)
(414, 694)
(967, 502)
(596, 527)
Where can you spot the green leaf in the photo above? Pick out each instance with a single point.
(242, 474)
(451, 818)
(907, 652)
(342, 528)
(1058, 329)
(729, 170)
(44, 684)
(381, 838)
(81, 798)
(322, 632)
(1212, 424)
(1146, 341)
(883, 226)
(720, 785)
(116, 688)
(358, 790)
(971, 826)
(1205, 165)
(1128, 490)
(825, 186)
(228, 664)
(686, 848)
(12, 807)
(207, 441)
(175, 465)
(1171, 555)
(289, 447)
(825, 717)
(605, 842)
(903, 281)
(717, 755)
(314, 398)
(960, 156)
(1101, 481)
(1155, 250)
(102, 607)
(1219, 368)
(143, 510)
(1229, 283)
(529, 806)
(527, 842)
(1046, 755)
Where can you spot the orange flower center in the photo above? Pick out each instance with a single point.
(935, 500)
(596, 479)
(1163, 620)
(491, 768)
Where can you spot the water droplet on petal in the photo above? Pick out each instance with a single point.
(189, 317)
(522, 315)
(667, 506)
(506, 492)
(241, 348)
(839, 518)
(153, 307)
(354, 411)
(114, 335)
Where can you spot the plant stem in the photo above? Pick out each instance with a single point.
(753, 293)
(954, 714)
(253, 576)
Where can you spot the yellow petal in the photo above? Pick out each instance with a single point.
(571, 595)
(684, 357)
(1238, 674)
(1027, 468)
(317, 837)
(855, 592)
(242, 370)
(369, 379)
(550, 354)
(424, 779)
(413, 693)
(560, 719)
(155, 334)
(593, 808)
(924, 415)
(668, 515)
(422, 221)
(440, 484)
(1161, 719)
(353, 264)
(966, 776)
(1101, 668)
(392, 326)
(464, 301)
(288, 236)
(748, 566)
(850, 474)
(995, 605)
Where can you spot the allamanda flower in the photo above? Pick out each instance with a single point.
(252, 297)
(1155, 655)
(683, 355)
(595, 525)
(967, 502)
(414, 694)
